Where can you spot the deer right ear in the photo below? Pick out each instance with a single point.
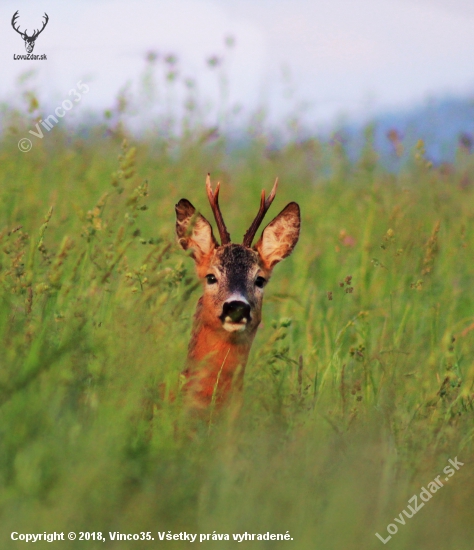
(280, 236)
(194, 231)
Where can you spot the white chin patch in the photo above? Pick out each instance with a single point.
(234, 327)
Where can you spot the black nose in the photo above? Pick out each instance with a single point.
(236, 311)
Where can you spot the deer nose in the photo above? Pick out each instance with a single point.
(235, 312)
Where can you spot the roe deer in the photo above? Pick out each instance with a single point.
(234, 275)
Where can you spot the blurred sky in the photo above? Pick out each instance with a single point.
(338, 57)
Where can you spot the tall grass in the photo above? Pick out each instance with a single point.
(360, 383)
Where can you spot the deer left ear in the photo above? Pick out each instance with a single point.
(194, 232)
(280, 236)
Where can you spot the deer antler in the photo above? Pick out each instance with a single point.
(24, 35)
(264, 206)
(37, 32)
(14, 18)
(214, 202)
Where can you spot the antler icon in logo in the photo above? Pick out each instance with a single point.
(29, 40)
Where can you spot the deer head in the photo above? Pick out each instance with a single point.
(29, 40)
(234, 276)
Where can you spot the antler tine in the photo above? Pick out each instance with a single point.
(264, 206)
(37, 32)
(14, 20)
(214, 202)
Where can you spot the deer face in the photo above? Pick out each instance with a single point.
(234, 275)
(29, 45)
(233, 289)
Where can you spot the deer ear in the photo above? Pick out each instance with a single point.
(194, 231)
(280, 236)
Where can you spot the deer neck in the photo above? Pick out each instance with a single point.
(216, 361)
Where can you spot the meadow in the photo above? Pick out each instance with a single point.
(360, 383)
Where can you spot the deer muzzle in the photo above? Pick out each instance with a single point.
(235, 315)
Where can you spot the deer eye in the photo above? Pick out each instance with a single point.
(260, 282)
(211, 279)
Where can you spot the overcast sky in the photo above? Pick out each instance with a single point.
(341, 57)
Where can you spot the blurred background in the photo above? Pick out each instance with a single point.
(309, 67)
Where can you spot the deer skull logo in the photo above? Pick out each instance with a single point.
(29, 40)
